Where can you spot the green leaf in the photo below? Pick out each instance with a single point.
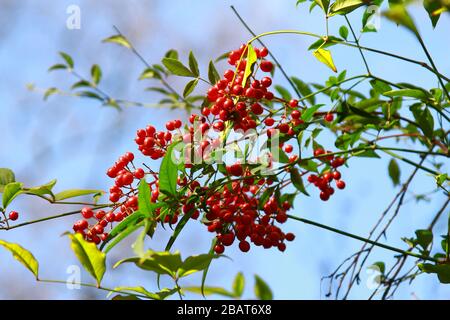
(283, 92)
(72, 193)
(399, 15)
(304, 89)
(159, 262)
(177, 68)
(22, 255)
(114, 240)
(324, 4)
(213, 75)
(168, 173)
(81, 84)
(251, 59)
(324, 43)
(412, 93)
(193, 64)
(138, 245)
(146, 207)
(262, 290)
(190, 86)
(45, 189)
(207, 291)
(161, 295)
(11, 191)
(92, 259)
(425, 120)
(380, 86)
(149, 73)
(441, 178)
(68, 59)
(345, 6)
(308, 114)
(297, 181)
(118, 39)
(442, 270)
(205, 271)
(432, 7)
(343, 32)
(325, 57)
(96, 74)
(57, 66)
(6, 176)
(238, 285)
(49, 92)
(394, 171)
(380, 266)
(195, 263)
(424, 238)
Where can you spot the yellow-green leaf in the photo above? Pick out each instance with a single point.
(251, 59)
(72, 193)
(400, 15)
(118, 39)
(22, 255)
(11, 191)
(92, 259)
(325, 57)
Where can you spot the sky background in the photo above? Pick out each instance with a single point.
(76, 140)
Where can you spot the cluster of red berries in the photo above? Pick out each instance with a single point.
(237, 101)
(122, 194)
(323, 181)
(152, 143)
(236, 213)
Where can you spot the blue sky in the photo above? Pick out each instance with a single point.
(76, 140)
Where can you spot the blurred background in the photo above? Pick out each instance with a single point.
(76, 140)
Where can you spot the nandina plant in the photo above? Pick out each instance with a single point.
(248, 149)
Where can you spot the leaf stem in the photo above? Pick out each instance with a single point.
(351, 235)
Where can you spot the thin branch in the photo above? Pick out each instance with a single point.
(270, 53)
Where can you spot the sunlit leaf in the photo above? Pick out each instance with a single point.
(91, 258)
(325, 57)
(22, 255)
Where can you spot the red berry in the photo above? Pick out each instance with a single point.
(170, 125)
(87, 213)
(293, 103)
(288, 148)
(139, 173)
(236, 170)
(336, 175)
(324, 196)
(329, 117)
(266, 82)
(263, 52)
(244, 246)
(266, 66)
(257, 108)
(13, 215)
(269, 122)
(340, 184)
(219, 249)
(289, 236)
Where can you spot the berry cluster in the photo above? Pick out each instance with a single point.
(237, 213)
(236, 210)
(323, 181)
(122, 194)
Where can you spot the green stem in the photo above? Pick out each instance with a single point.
(48, 218)
(392, 55)
(351, 235)
(90, 285)
(270, 53)
(430, 59)
(357, 43)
